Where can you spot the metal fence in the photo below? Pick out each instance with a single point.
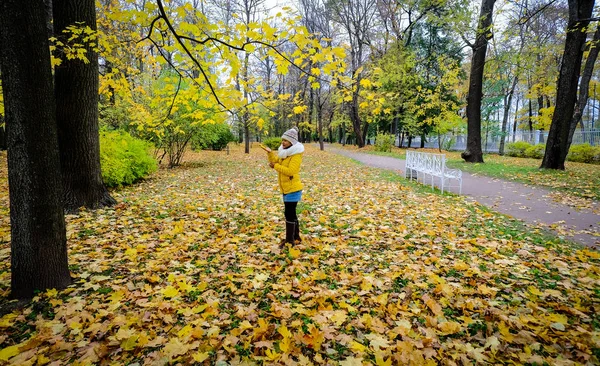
(492, 143)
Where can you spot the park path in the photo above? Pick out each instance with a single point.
(524, 202)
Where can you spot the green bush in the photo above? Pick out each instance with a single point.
(517, 149)
(584, 153)
(272, 142)
(124, 159)
(535, 151)
(384, 142)
(212, 136)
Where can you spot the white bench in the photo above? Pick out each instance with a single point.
(424, 164)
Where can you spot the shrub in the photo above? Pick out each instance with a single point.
(213, 136)
(384, 142)
(272, 142)
(517, 149)
(124, 159)
(584, 153)
(535, 151)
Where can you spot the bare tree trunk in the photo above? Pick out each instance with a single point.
(473, 153)
(76, 91)
(507, 104)
(320, 125)
(38, 236)
(246, 134)
(530, 120)
(515, 121)
(356, 124)
(365, 133)
(246, 115)
(558, 143)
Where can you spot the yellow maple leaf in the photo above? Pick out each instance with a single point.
(284, 331)
(505, 332)
(129, 343)
(339, 317)
(170, 292)
(183, 332)
(365, 83)
(449, 327)
(357, 347)
(272, 355)
(294, 253)
(314, 338)
(7, 320)
(184, 286)
(534, 291)
(8, 352)
(285, 344)
(299, 109)
(461, 266)
(131, 252)
(51, 292)
(381, 361)
(200, 356)
(42, 360)
(116, 296)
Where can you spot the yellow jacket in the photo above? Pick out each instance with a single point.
(289, 172)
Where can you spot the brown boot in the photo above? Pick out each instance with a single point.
(297, 232)
(290, 227)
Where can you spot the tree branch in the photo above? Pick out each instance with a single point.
(524, 20)
(178, 38)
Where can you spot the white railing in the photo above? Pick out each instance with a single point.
(422, 164)
(491, 143)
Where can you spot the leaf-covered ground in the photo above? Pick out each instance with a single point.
(186, 269)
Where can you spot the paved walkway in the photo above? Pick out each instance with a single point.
(528, 203)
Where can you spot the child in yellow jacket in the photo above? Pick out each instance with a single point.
(286, 161)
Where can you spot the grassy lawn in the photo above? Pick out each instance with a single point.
(186, 269)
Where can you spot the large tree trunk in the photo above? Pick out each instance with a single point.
(246, 134)
(320, 124)
(558, 142)
(38, 236)
(76, 90)
(473, 153)
(584, 84)
(355, 119)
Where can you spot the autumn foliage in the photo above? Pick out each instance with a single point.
(187, 269)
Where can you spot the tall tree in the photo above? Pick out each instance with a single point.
(473, 153)
(76, 91)
(584, 84)
(558, 142)
(357, 17)
(38, 236)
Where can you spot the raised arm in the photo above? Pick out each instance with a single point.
(272, 156)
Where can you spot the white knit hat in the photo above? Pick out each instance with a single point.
(291, 135)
